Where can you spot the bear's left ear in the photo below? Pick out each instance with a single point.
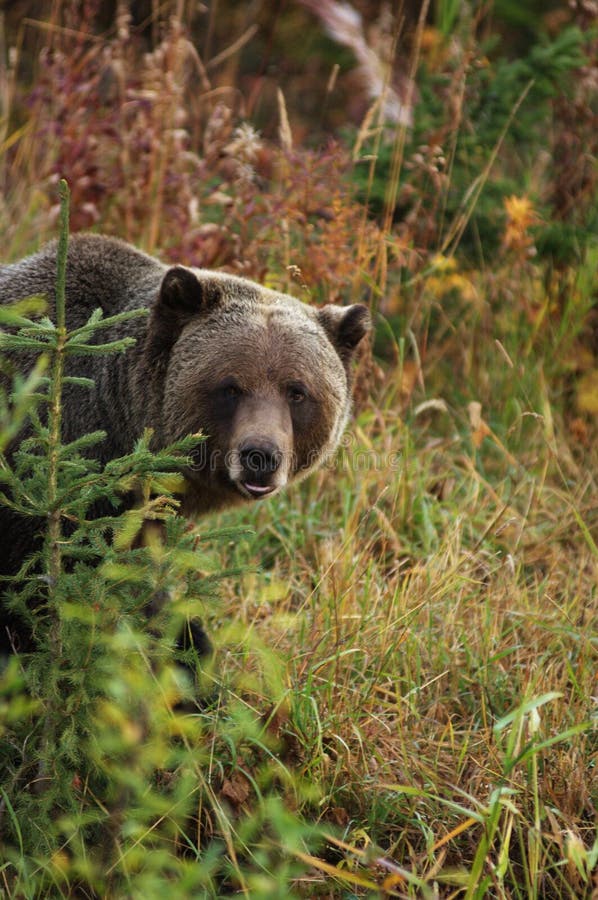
(345, 326)
(182, 296)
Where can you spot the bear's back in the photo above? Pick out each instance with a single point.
(101, 272)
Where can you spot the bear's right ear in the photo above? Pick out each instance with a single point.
(182, 297)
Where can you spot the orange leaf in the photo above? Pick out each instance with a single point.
(479, 429)
(341, 874)
(454, 832)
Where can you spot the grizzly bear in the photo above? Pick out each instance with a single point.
(265, 377)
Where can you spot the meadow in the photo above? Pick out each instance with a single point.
(402, 699)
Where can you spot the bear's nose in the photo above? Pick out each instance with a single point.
(260, 458)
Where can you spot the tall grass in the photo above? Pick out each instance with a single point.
(407, 640)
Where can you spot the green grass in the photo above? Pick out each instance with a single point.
(441, 656)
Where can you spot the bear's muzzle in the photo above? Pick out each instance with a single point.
(259, 461)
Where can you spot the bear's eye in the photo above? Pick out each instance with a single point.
(296, 394)
(229, 390)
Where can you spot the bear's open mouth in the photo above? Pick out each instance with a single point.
(258, 490)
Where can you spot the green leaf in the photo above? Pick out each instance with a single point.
(73, 348)
(524, 709)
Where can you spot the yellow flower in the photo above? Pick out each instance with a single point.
(444, 264)
(447, 278)
(520, 211)
(521, 215)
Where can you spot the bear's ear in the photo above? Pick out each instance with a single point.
(345, 326)
(182, 296)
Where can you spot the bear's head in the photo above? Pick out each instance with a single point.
(265, 377)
